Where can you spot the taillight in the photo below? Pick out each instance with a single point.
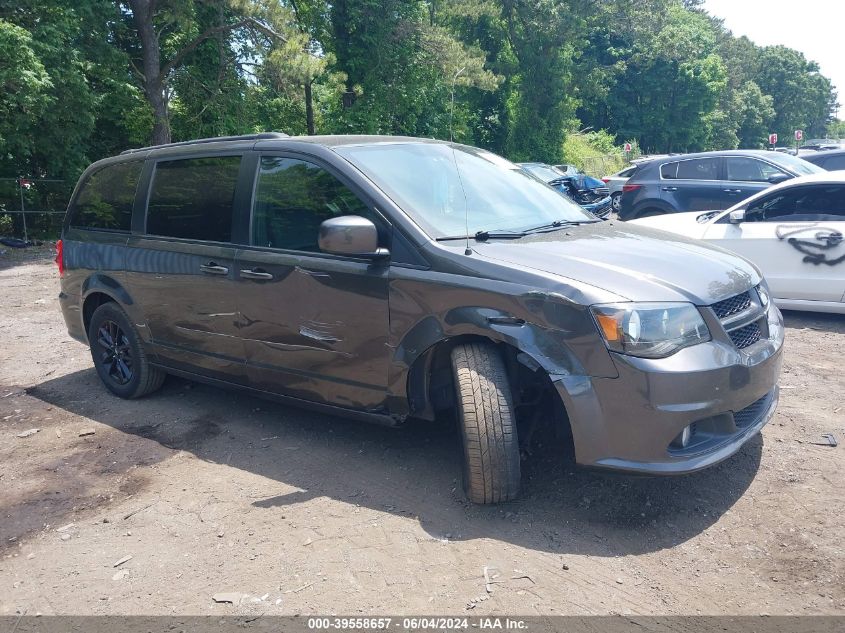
(605, 180)
(60, 258)
(627, 188)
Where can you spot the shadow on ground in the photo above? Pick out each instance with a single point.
(413, 471)
(815, 320)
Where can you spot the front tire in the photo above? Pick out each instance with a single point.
(118, 356)
(488, 424)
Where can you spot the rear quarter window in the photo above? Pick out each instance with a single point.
(106, 198)
(193, 198)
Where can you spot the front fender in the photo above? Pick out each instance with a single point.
(557, 335)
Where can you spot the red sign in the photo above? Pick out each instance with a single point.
(799, 134)
(773, 139)
(628, 147)
(25, 183)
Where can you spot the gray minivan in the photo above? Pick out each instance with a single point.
(388, 278)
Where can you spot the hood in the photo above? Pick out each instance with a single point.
(686, 224)
(636, 263)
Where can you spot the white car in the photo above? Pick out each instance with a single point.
(792, 231)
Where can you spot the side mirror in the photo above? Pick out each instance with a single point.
(778, 177)
(350, 235)
(737, 217)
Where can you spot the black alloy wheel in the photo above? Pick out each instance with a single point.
(115, 352)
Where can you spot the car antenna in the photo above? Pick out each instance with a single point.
(467, 250)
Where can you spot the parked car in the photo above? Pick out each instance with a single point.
(590, 193)
(324, 271)
(831, 160)
(792, 231)
(615, 183)
(706, 181)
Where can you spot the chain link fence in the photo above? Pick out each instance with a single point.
(33, 208)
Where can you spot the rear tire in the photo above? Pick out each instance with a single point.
(488, 424)
(616, 202)
(118, 355)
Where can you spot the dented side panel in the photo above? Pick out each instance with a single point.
(318, 329)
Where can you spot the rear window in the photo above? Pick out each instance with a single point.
(106, 198)
(834, 163)
(694, 169)
(192, 198)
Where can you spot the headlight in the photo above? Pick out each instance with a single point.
(763, 293)
(650, 330)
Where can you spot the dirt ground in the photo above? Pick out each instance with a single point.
(213, 492)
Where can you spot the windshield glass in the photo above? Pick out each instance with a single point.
(543, 172)
(489, 193)
(794, 164)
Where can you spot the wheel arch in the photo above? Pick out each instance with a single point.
(99, 289)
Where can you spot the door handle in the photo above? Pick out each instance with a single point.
(732, 190)
(213, 269)
(669, 188)
(256, 273)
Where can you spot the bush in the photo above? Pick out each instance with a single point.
(6, 227)
(595, 153)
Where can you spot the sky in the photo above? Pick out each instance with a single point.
(814, 27)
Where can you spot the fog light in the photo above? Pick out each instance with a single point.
(682, 441)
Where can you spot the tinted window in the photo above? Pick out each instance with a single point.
(745, 169)
(800, 204)
(695, 169)
(627, 173)
(833, 163)
(105, 200)
(293, 198)
(193, 198)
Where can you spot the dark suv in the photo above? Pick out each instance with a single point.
(705, 181)
(385, 278)
(829, 160)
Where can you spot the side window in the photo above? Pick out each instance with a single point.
(698, 169)
(821, 203)
(834, 163)
(106, 198)
(193, 198)
(669, 171)
(292, 198)
(744, 169)
(627, 173)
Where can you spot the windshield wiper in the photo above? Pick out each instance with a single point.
(559, 224)
(483, 236)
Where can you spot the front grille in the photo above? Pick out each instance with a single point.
(751, 413)
(732, 305)
(602, 191)
(746, 335)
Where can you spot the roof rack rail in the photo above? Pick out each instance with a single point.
(215, 139)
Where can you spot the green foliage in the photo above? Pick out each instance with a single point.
(802, 98)
(836, 129)
(83, 79)
(594, 152)
(6, 225)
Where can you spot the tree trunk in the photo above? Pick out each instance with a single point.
(309, 109)
(142, 13)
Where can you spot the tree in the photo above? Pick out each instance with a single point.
(24, 86)
(670, 85)
(168, 34)
(802, 97)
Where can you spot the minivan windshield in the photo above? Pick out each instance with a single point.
(794, 164)
(455, 189)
